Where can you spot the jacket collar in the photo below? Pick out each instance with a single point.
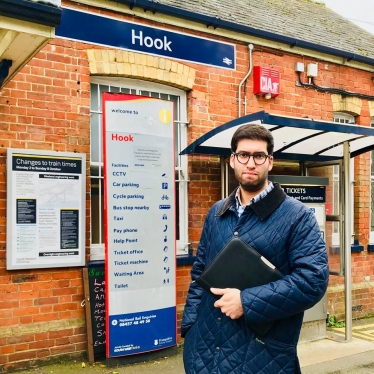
(262, 208)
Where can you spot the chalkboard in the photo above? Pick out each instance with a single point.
(95, 308)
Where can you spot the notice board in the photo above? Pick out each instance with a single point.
(46, 209)
(139, 211)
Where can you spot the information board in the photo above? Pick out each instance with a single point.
(139, 187)
(45, 209)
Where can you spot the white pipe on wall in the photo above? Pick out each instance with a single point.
(250, 48)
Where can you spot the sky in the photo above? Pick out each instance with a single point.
(360, 12)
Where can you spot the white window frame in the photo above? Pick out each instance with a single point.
(341, 117)
(97, 249)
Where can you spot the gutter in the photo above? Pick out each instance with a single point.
(29, 11)
(209, 21)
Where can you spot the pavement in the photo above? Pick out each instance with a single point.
(332, 355)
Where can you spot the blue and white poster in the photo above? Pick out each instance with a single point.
(140, 224)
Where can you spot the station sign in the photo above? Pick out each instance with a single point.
(107, 31)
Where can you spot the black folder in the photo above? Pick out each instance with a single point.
(240, 266)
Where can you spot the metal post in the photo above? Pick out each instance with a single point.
(223, 178)
(347, 244)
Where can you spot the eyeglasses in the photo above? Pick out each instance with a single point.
(258, 158)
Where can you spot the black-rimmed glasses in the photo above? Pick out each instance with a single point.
(258, 158)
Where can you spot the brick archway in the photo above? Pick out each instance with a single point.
(351, 105)
(140, 66)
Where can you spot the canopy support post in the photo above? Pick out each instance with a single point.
(347, 244)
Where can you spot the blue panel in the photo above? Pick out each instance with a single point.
(357, 248)
(370, 247)
(101, 30)
(142, 332)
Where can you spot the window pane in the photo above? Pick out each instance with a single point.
(102, 89)
(372, 205)
(175, 100)
(177, 210)
(97, 211)
(94, 97)
(95, 137)
(372, 191)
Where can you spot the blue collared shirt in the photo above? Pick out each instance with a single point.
(240, 207)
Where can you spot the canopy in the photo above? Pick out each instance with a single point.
(302, 139)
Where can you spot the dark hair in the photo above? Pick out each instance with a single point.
(253, 132)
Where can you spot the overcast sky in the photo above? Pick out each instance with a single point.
(360, 12)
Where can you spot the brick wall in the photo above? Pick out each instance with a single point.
(46, 106)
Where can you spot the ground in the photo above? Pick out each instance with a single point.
(165, 365)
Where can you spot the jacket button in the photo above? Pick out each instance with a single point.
(219, 319)
(236, 233)
(217, 349)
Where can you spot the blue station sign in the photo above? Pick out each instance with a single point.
(97, 29)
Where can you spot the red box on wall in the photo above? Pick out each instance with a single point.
(266, 81)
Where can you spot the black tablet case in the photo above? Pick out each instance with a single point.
(239, 266)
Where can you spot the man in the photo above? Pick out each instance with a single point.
(284, 231)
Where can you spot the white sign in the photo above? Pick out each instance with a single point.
(45, 209)
(140, 224)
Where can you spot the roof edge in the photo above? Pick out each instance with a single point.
(216, 22)
(43, 14)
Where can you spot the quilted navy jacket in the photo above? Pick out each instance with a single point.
(285, 231)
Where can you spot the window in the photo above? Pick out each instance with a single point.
(341, 117)
(136, 87)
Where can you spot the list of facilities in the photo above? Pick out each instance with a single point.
(141, 232)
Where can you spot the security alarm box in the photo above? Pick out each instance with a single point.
(266, 81)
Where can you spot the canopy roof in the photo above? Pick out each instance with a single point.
(302, 139)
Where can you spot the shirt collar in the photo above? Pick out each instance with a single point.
(240, 207)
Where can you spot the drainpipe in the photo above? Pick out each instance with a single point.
(250, 48)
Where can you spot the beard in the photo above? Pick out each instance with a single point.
(254, 185)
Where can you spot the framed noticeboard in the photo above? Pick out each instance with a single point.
(45, 209)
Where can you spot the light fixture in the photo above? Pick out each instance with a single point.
(267, 96)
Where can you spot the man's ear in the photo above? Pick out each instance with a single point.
(270, 163)
(232, 160)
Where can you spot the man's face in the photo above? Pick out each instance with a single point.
(251, 177)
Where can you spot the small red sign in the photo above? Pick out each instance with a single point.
(266, 80)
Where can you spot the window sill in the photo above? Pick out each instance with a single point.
(355, 248)
(185, 260)
(370, 247)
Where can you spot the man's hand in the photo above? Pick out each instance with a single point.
(230, 302)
